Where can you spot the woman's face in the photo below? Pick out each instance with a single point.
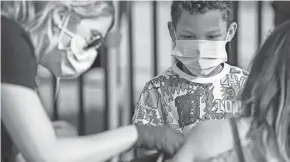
(77, 45)
(87, 28)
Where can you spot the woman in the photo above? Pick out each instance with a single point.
(264, 137)
(63, 37)
(281, 11)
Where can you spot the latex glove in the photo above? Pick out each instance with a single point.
(64, 129)
(162, 138)
(151, 158)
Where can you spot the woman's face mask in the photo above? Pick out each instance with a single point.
(73, 55)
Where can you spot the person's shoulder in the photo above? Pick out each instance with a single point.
(13, 34)
(10, 27)
(237, 70)
(282, 5)
(210, 138)
(19, 64)
(15, 38)
(161, 77)
(214, 137)
(212, 125)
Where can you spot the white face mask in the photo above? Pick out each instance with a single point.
(71, 61)
(200, 57)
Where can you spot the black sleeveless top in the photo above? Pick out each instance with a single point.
(18, 67)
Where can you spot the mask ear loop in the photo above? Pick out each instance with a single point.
(175, 36)
(175, 39)
(64, 31)
(228, 35)
(56, 86)
(174, 43)
(61, 47)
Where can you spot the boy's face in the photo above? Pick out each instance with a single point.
(197, 26)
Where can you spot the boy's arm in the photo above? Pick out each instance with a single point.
(237, 80)
(149, 116)
(148, 111)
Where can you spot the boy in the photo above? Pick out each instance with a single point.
(200, 86)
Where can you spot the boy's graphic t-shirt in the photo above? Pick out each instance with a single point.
(182, 101)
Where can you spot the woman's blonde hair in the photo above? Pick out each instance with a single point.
(41, 19)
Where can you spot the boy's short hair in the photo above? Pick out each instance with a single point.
(200, 7)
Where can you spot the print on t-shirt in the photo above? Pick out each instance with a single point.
(181, 100)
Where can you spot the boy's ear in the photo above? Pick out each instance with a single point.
(232, 31)
(171, 31)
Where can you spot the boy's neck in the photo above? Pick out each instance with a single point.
(216, 71)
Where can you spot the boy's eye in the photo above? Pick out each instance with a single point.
(186, 36)
(213, 37)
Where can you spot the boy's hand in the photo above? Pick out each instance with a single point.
(162, 138)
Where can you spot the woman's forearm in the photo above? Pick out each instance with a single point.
(93, 148)
(33, 133)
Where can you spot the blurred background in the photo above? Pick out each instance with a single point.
(104, 97)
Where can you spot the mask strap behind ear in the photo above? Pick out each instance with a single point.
(63, 26)
(56, 86)
(175, 36)
(63, 29)
(228, 34)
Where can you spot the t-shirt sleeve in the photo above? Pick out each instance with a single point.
(18, 64)
(148, 110)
